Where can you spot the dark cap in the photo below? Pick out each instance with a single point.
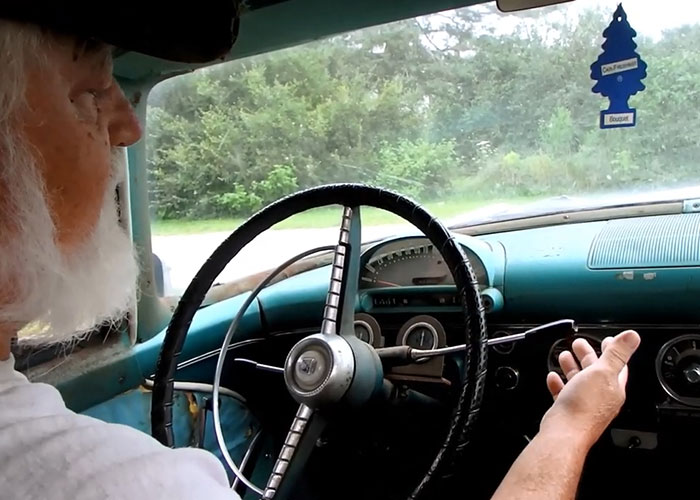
(192, 32)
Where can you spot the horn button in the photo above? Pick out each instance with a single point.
(319, 369)
(311, 368)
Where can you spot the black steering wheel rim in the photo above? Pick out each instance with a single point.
(471, 391)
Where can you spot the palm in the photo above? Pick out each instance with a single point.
(595, 387)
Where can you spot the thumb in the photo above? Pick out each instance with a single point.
(619, 350)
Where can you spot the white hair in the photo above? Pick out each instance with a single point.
(60, 296)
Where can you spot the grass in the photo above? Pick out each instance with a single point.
(325, 217)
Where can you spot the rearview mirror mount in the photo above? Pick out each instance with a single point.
(514, 5)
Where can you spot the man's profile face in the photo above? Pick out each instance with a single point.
(65, 262)
(76, 113)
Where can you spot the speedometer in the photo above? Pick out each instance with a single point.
(411, 262)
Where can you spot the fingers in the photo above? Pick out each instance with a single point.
(624, 373)
(584, 352)
(605, 343)
(555, 384)
(619, 350)
(568, 365)
(622, 377)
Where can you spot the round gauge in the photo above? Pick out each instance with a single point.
(678, 369)
(363, 332)
(412, 262)
(367, 330)
(421, 336)
(564, 344)
(422, 332)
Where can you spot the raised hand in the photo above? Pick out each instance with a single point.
(595, 388)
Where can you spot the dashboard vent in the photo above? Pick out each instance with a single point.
(660, 241)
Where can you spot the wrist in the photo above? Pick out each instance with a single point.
(575, 437)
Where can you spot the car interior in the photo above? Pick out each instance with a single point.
(410, 364)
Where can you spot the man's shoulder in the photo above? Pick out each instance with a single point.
(41, 438)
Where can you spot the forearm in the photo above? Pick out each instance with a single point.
(549, 468)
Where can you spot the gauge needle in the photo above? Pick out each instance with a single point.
(388, 283)
(422, 338)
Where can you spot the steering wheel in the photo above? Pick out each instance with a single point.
(334, 367)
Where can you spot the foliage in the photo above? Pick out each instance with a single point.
(437, 107)
(420, 169)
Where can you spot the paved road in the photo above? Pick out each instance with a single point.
(183, 255)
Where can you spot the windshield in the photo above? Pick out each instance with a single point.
(465, 110)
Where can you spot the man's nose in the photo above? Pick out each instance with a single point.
(124, 127)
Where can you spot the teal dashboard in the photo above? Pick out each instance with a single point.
(636, 272)
(598, 272)
(607, 276)
(640, 272)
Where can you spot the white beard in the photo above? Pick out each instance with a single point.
(62, 297)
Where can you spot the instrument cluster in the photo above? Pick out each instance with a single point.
(419, 332)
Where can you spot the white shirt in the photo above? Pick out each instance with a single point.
(50, 452)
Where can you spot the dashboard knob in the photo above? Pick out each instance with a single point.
(692, 373)
(507, 378)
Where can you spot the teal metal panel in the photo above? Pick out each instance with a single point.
(297, 301)
(206, 332)
(489, 254)
(498, 257)
(101, 380)
(547, 277)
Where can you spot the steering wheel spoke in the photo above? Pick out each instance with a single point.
(339, 311)
(306, 428)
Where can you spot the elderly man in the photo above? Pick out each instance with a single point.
(66, 264)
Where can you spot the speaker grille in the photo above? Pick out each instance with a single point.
(660, 241)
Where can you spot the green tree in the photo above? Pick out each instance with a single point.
(434, 107)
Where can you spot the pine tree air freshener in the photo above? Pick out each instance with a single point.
(619, 72)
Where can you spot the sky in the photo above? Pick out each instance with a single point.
(647, 17)
(651, 17)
